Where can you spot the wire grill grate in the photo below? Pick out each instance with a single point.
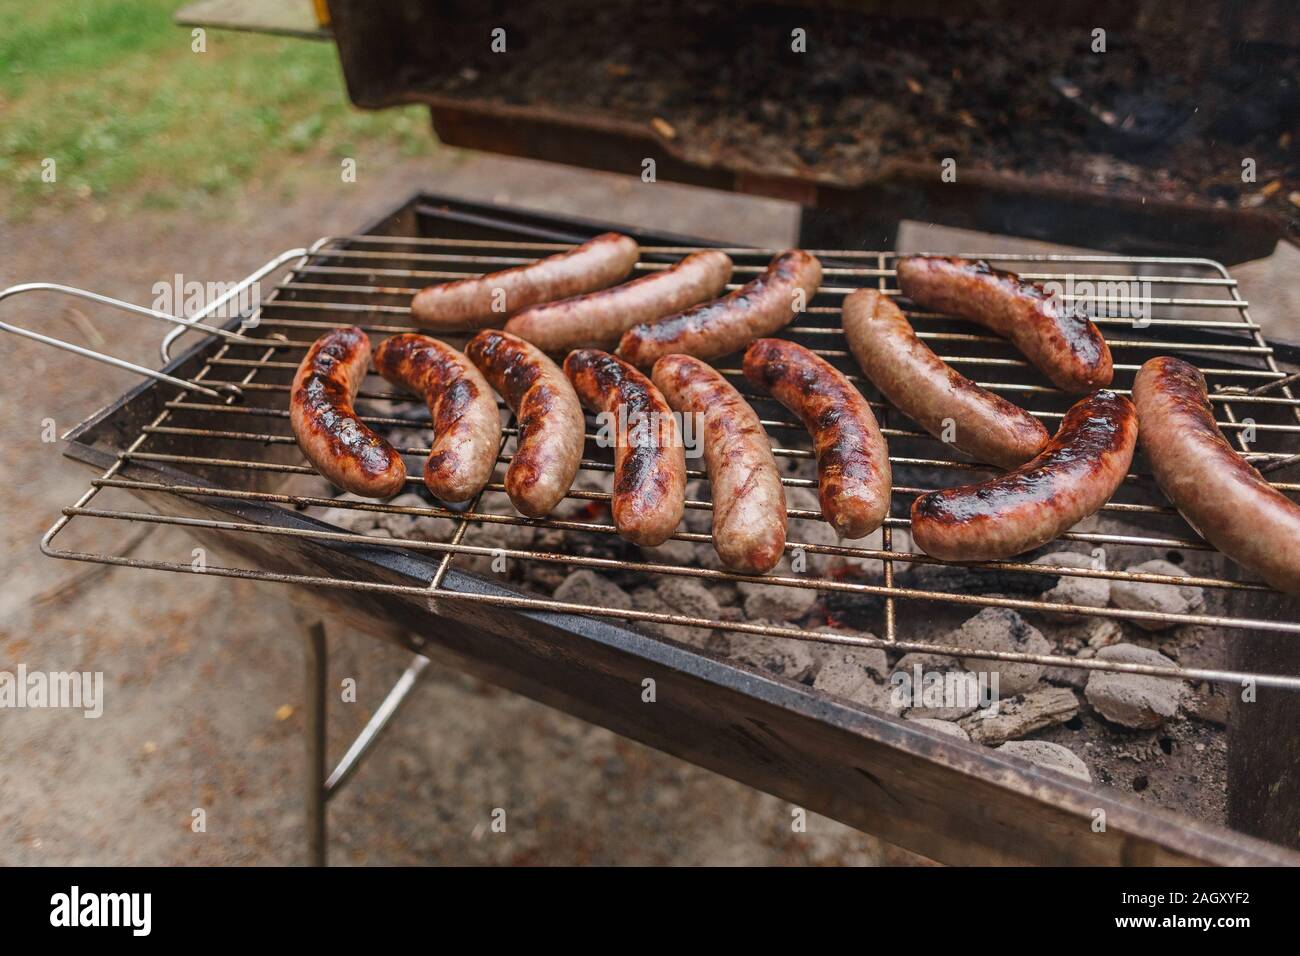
(242, 448)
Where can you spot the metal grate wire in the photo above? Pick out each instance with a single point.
(1193, 309)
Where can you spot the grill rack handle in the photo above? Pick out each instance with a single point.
(182, 325)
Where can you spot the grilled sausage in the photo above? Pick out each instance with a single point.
(853, 474)
(1071, 479)
(1228, 502)
(327, 428)
(749, 517)
(481, 301)
(1062, 342)
(466, 424)
(598, 319)
(985, 426)
(761, 306)
(649, 462)
(551, 428)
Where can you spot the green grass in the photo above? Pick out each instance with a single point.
(113, 93)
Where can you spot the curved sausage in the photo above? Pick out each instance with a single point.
(551, 428)
(649, 461)
(480, 301)
(466, 423)
(1073, 477)
(596, 320)
(1228, 502)
(761, 306)
(853, 474)
(1061, 342)
(327, 428)
(749, 519)
(985, 426)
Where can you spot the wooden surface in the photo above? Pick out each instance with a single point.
(285, 17)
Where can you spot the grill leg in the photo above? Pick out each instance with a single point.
(375, 728)
(317, 676)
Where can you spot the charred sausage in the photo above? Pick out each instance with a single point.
(466, 423)
(1071, 479)
(327, 428)
(853, 474)
(761, 306)
(749, 519)
(598, 319)
(649, 461)
(548, 451)
(925, 388)
(480, 301)
(1060, 341)
(1229, 503)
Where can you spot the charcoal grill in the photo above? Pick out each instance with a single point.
(205, 445)
(571, 89)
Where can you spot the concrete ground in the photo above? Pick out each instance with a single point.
(203, 678)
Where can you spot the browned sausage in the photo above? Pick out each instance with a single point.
(1062, 342)
(649, 461)
(1073, 477)
(853, 474)
(466, 423)
(1228, 502)
(749, 519)
(985, 426)
(326, 426)
(759, 307)
(481, 301)
(548, 451)
(596, 320)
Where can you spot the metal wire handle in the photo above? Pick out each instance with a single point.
(186, 324)
(183, 325)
